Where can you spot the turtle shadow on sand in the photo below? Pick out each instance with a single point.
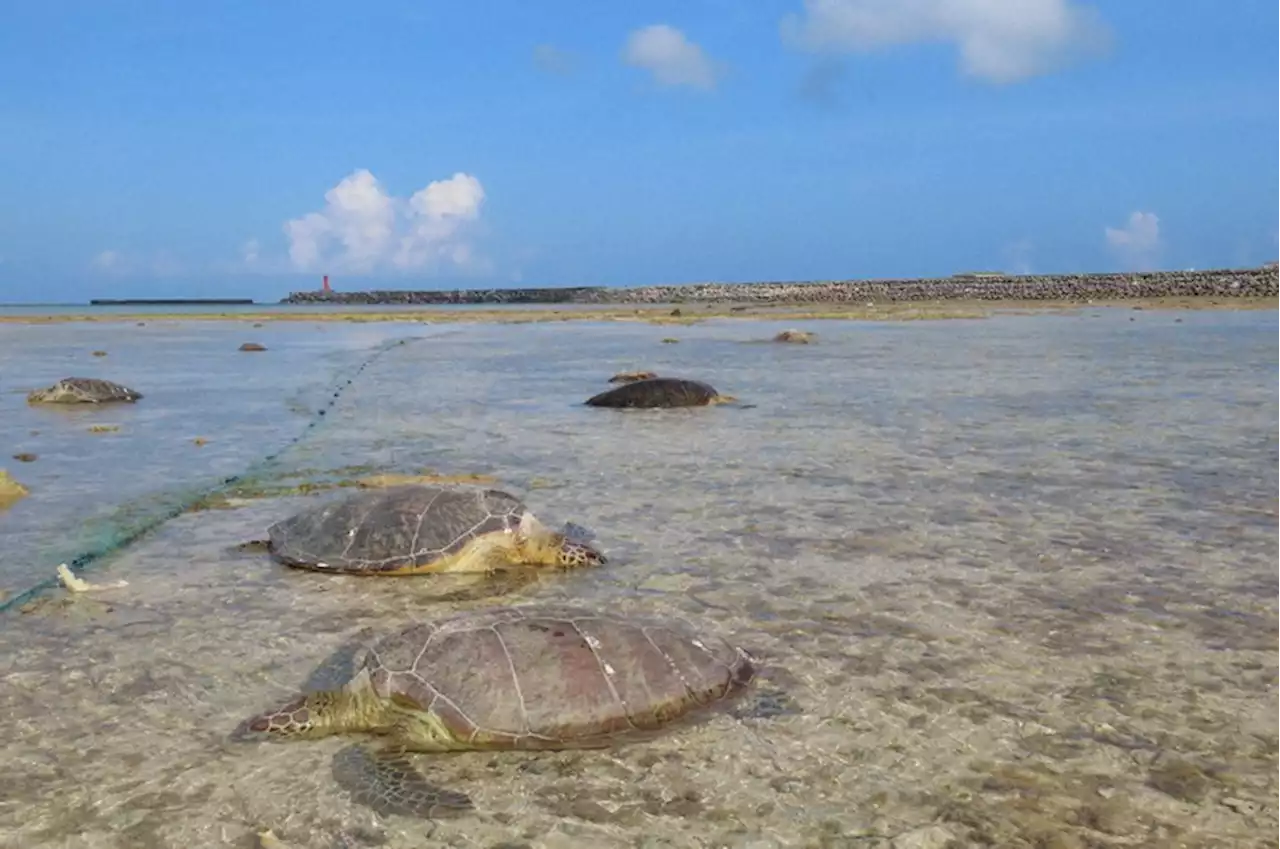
(528, 678)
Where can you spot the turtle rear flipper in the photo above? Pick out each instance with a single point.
(386, 780)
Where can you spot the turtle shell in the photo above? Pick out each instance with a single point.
(656, 392)
(552, 676)
(84, 390)
(392, 530)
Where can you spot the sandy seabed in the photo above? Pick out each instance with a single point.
(674, 314)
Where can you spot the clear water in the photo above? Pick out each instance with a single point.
(1017, 577)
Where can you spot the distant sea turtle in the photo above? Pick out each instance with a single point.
(660, 392)
(528, 677)
(83, 390)
(405, 530)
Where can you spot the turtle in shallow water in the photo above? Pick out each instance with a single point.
(404, 530)
(660, 392)
(530, 677)
(83, 390)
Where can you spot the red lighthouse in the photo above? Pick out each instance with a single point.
(324, 285)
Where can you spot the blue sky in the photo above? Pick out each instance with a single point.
(244, 148)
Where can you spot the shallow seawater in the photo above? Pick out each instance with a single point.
(1016, 577)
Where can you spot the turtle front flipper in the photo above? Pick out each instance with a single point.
(385, 780)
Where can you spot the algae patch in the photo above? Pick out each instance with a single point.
(11, 491)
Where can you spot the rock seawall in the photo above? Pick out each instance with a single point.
(1223, 283)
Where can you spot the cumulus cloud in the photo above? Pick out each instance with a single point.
(1138, 242)
(552, 59)
(670, 57)
(1000, 41)
(362, 229)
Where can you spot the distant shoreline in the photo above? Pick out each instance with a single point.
(659, 313)
(979, 286)
(169, 302)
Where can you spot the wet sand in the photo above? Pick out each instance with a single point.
(1015, 580)
(663, 313)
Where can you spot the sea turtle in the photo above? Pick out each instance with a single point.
(404, 530)
(660, 392)
(83, 390)
(527, 677)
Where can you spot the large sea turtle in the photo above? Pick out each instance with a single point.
(83, 390)
(530, 677)
(660, 392)
(404, 530)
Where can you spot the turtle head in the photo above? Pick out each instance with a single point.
(575, 553)
(314, 715)
(568, 548)
(297, 718)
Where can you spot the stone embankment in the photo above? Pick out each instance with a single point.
(581, 294)
(1223, 283)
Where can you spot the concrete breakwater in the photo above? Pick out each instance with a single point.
(1222, 283)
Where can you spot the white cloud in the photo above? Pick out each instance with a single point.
(250, 252)
(362, 229)
(1000, 41)
(674, 60)
(1138, 242)
(552, 59)
(106, 261)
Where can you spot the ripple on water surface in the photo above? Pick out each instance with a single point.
(1015, 577)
